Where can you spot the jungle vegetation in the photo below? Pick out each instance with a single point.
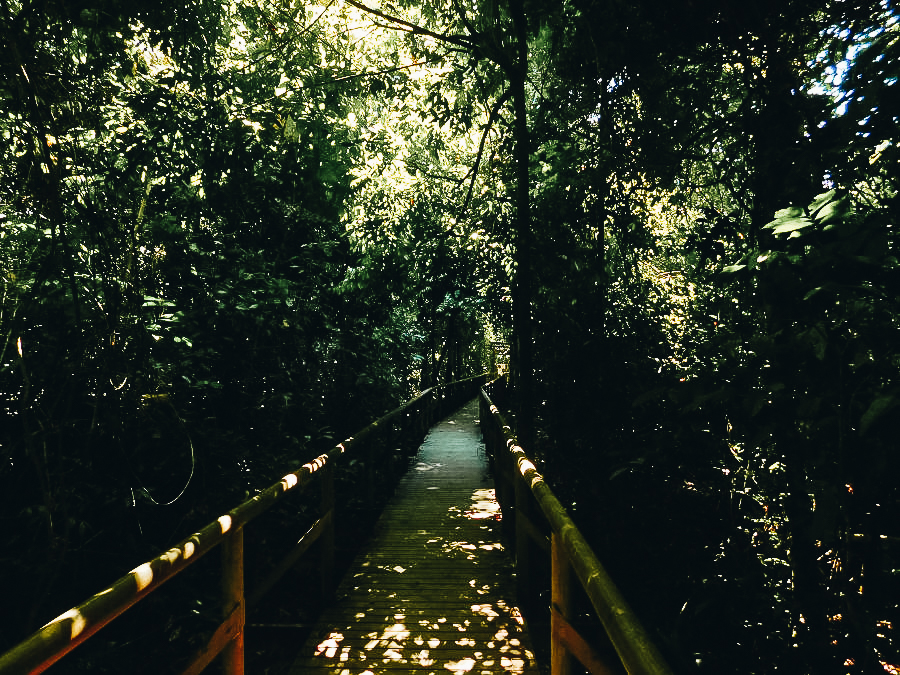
(233, 231)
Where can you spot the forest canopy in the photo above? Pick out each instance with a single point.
(230, 231)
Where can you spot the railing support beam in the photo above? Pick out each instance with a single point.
(233, 600)
(326, 562)
(561, 600)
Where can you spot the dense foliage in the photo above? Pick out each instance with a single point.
(232, 230)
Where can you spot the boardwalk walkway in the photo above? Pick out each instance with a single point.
(432, 592)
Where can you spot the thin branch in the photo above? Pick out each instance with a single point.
(495, 114)
(251, 106)
(436, 176)
(367, 74)
(459, 40)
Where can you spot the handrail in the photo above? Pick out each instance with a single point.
(568, 548)
(64, 633)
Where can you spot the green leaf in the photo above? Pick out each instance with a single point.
(821, 200)
(789, 224)
(876, 409)
(790, 212)
(833, 212)
(732, 269)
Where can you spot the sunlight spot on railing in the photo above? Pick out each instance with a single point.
(189, 549)
(434, 643)
(316, 464)
(143, 575)
(78, 622)
(225, 523)
(289, 481)
(172, 555)
(399, 569)
(526, 465)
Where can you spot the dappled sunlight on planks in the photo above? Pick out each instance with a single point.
(433, 591)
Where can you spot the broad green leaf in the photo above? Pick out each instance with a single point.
(789, 224)
(833, 212)
(821, 200)
(876, 409)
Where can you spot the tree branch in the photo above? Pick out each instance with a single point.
(459, 40)
(495, 113)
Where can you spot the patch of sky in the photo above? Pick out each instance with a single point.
(835, 75)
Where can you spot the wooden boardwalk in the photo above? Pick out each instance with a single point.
(432, 592)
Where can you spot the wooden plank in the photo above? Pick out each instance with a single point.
(433, 590)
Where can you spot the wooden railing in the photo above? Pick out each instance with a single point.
(529, 509)
(60, 636)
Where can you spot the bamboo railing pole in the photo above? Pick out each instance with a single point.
(637, 652)
(233, 600)
(61, 635)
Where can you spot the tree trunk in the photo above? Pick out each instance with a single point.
(523, 287)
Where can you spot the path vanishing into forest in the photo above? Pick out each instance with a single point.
(432, 591)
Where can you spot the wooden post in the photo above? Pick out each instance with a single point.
(327, 543)
(561, 600)
(391, 459)
(371, 458)
(233, 600)
(523, 542)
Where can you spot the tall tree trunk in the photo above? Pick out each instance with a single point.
(523, 285)
(809, 598)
